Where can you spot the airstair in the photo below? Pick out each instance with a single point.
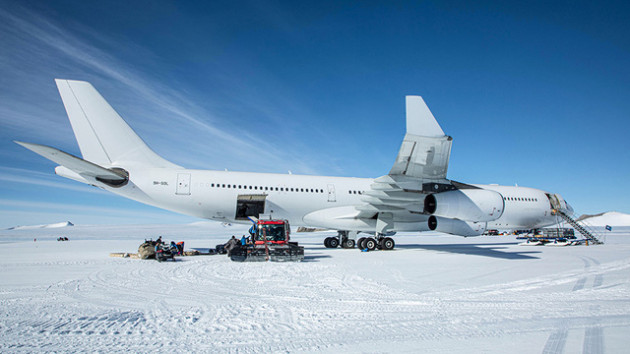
(582, 228)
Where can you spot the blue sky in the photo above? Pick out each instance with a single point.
(536, 94)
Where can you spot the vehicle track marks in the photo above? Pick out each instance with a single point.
(593, 340)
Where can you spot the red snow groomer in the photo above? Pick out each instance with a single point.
(268, 241)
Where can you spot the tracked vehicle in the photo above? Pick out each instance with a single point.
(269, 241)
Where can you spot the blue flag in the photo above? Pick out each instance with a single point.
(608, 227)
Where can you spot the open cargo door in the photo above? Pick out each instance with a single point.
(250, 205)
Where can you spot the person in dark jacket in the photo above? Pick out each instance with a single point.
(230, 245)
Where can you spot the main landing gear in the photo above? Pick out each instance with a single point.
(343, 239)
(380, 241)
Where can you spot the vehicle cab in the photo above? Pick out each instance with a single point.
(272, 231)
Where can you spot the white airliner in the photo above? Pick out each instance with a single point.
(414, 196)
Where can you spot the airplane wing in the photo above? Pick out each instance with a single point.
(396, 201)
(420, 168)
(405, 199)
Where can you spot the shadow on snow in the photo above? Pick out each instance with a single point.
(493, 250)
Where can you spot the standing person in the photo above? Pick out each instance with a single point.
(159, 241)
(243, 241)
(230, 245)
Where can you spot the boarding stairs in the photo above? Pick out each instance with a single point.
(582, 228)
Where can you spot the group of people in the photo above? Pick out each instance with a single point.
(177, 248)
(233, 242)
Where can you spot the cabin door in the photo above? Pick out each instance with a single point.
(332, 196)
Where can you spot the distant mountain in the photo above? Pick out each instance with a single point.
(612, 218)
(47, 226)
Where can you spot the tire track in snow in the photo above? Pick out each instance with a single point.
(579, 285)
(555, 343)
(593, 340)
(557, 339)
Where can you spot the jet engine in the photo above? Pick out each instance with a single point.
(456, 227)
(465, 204)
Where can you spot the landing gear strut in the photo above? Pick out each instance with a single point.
(345, 239)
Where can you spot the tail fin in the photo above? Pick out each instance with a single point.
(104, 137)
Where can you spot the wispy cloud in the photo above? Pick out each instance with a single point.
(42, 35)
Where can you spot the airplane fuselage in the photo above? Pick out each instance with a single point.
(213, 195)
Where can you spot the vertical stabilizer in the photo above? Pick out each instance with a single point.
(103, 136)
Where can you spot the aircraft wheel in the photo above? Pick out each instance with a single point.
(348, 244)
(387, 244)
(370, 243)
(333, 242)
(360, 243)
(326, 242)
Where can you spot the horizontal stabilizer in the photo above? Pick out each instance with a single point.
(78, 165)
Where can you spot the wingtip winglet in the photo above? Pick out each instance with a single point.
(420, 120)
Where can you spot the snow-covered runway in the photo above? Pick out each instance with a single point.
(434, 293)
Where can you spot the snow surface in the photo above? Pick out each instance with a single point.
(47, 226)
(434, 293)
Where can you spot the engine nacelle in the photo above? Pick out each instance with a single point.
(466, 204)
(456, 227)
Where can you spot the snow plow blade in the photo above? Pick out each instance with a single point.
(271, 253)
